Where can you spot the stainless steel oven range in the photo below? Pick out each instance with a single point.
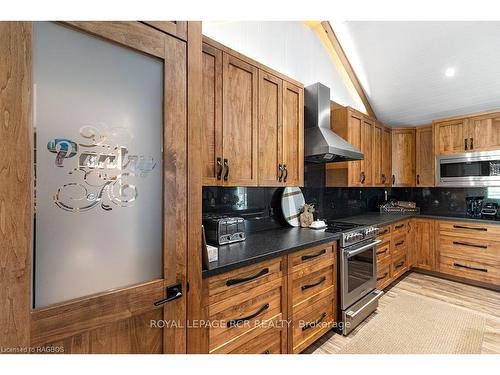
(358, 296)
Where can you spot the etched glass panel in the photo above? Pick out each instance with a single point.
(98, 115)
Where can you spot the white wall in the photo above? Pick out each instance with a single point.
(289, 47)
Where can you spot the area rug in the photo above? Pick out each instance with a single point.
(414, 325)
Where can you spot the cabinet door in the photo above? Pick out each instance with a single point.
(378, 138)
(367, 150)
(451, 137)
(211, 147)
(270, 130)
(424, 256)
(424, 157)
(239, 122)
(387, 157)
(293, 134)
(355, 125)
(403, 157)
(484, 132)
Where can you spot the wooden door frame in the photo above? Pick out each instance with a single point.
(25, 327)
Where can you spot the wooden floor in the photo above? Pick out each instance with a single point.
(481, 301)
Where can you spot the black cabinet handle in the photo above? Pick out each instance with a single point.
(286, 172)
(470, 268)
(418, 179)
(471, 143)
(173, 292)
(382, 277)
(322, 280)
(400, 264)
(393, 179)
(248, 278)
(226, 165)
(386, 230)
(399, 243)
(469, 244)
(384, 179)
(307, 257)
(219, 168)
(465, 141)
(471, 228)
(399, 226)
(235, 322)
(312, 324)
(382, 252)
(266, 351)
(280, 168)
(363, 177)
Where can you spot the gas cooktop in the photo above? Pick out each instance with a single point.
(334, 226)
(351, 233)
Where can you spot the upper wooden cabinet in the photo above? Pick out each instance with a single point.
(357, 129)
(467, 134)
(425, 165)
(382, 162)
(403, 157)
(252, 122)
(387, 156)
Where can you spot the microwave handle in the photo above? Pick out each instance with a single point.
(352, 253)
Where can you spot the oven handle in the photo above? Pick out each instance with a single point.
(352, 314)
(350, 254)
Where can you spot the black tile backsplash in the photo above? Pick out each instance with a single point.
(262, 206)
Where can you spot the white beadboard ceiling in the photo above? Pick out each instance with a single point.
(401, 66)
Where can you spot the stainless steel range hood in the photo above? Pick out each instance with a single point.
(321, 144)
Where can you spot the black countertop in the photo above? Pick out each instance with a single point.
(264, 245)
(272, 243)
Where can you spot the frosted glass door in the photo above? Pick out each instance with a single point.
(98, 122)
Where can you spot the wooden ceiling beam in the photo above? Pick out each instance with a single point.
(347, 66)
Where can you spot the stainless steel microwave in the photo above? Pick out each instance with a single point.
(468, 169)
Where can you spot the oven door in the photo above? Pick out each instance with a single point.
(359, 270)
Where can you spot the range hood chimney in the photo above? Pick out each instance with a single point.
(321, 144)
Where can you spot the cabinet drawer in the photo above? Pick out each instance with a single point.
(399, 244)
(271, 341)
(383, 251)
(469, 230)
(312, 322)
(231, 318)
(398, 265)
(470, 269)
(232, 283)
(399, 227)
(384, 231)
(321, 255)
(306, 286)
(383, 273)
(483, 251)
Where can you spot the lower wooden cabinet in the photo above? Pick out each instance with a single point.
(424, 255)
(277, 306)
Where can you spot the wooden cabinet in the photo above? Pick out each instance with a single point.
(357, 129)
(424, 255)
(248, 307)
(378, 144)
(252, 123)
(467, 134)
(484, 132)
(424, 163)
(403, 157)
(387, 156)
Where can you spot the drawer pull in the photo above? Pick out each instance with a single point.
(386, 230)
(400, 264)
(235, 322)
(399, 226)
(470, 268)
(245, 279)
(307, 257)
(400, 243)
(470, 244)
(321, 281)
(383, 276)
(382, 252)
(313, 324)
(471, 228)
(266, 351)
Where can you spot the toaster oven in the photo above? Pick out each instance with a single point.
(221, 230)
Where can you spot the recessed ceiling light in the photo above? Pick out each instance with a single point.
(449, 72)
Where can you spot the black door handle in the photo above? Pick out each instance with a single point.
(286, 172)
(219, 168)
(322, 280)
(235, 322)
(363, 177)
(393, 179)
(226, 165)
(173, 292)
(418, 179)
